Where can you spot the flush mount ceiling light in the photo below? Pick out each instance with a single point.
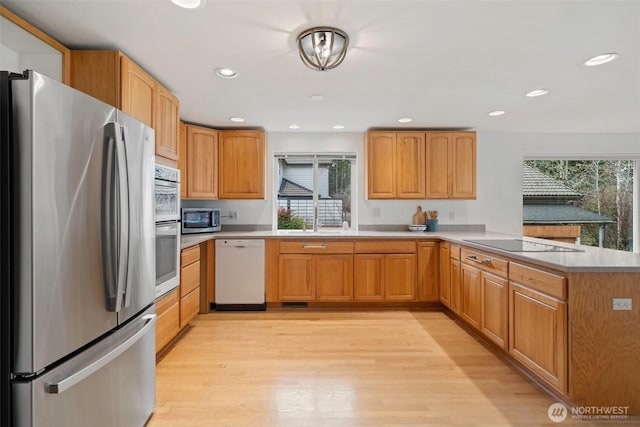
(322, 48)
(294, 127)
(237, 119)
(496, 113)
(537, 92)
(188, 4)
(226, 73)
(600, 59)
(405, 120)
(338, 127)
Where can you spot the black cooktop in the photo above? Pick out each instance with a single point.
(518, 245)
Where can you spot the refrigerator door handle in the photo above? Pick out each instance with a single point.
(66, 383)
(114, 217)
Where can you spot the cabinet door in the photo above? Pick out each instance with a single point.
(138, 92)
(334, 277)
(182, 160)
(189, 307)
(538, 334)
(494, 308)
(471, 303)
(463, 160)
(381, 165)
(202, 163)
(428, 271)
(168, 321)
(368, 277)
(410, 165)
(400, 277)
(296, 277)
(445, 275)
(167, 124)
(438, 164)
(456, 285)
(241, 164)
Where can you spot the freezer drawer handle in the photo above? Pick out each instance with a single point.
(73, 379)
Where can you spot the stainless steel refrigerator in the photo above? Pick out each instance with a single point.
(77, 313)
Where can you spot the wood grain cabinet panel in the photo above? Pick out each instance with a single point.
(182, 160)
(189, 307)
(242, 164)
(296, 279)
(410, 165)
(463, 169)
(400, 277)
(438, 163)
(368, 277)
(495, 313)
(167, 124)
(456, 284)
(538, 334)
(202, 163)
(428, 268)
(381, 165)
(334, 277)
(470, 298)
(138, 95)
(168, 321)
(445, 274)
(450, 165)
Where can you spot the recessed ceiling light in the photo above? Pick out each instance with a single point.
(237, 119)
(600, 59)
(317, 98)
(294, 127)
(405, 120)
(338, 127)
(537, 92)
(496, 113)
(188, 4)
(226, 73)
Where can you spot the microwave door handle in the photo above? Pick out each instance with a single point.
(123, 220)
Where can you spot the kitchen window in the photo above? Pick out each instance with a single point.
(315, 191)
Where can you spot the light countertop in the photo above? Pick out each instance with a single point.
(590, 259)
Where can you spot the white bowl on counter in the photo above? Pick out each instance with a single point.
(417, 227)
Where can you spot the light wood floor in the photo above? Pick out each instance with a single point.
(301, 368)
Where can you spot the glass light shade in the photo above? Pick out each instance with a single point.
(322, 48)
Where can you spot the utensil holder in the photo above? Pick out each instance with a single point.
(432, 225)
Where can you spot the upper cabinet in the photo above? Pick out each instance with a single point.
(421, 165)
(201, 175)
(396, 165)
(451, 165)
(241, 164)
(115, 79)
(25, 47)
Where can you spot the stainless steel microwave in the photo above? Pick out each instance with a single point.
(200, 220)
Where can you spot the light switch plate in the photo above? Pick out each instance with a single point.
(621, 303)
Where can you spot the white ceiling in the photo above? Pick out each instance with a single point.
(446, 64)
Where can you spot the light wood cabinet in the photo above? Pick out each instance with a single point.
(168, 320)
(456, 278)
(470, 299)
(395, 165)
(494, 314)
(428, 268)
(445, 274)
(202, 163)
(182, 160)
(451, 165)
(115, 79)
(189, 284)
(385, 271)
(315, 271)
(538, 323)
(241, 164)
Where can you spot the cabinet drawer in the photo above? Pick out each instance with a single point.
(548, 283)
(315, 247)
(189, 278)
(385, 247)
(189, 255)
(167, 323)
(189, 306)
(485, 261)
(166, 301)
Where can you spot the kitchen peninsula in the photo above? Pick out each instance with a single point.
(552, 313)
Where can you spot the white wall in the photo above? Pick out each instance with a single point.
(499, 170)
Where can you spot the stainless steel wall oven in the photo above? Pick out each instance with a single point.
(167, 208)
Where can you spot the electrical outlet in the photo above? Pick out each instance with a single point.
(621, 303)
(233, 214)
(375, 212)
(452, 215)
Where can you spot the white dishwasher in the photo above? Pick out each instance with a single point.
(240, 274)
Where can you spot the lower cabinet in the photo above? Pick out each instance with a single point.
(310, 271)
(538, 323)
(470, 303)
(168, 322)
(428, 289)
(455, 269)
(189, 284)
(494, 296)
(445, 274)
